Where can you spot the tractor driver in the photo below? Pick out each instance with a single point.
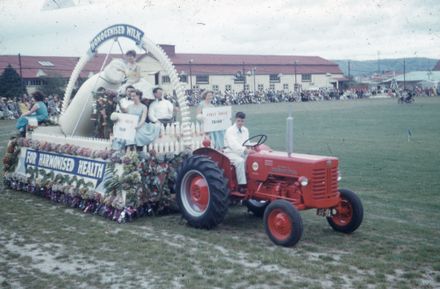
(235, 136)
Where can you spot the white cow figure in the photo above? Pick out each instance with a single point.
(76, 119)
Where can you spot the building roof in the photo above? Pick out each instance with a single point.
(264, 64)
(36, 66)
(260, 69)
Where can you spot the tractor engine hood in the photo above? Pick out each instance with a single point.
(263, 164)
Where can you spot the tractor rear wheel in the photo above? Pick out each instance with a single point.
(201, 192)
(283, 223)
(257, 207)
(349, 213)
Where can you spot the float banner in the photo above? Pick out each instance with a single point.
(216, 118)
(125, 127)
(114, 31)
(88, 169)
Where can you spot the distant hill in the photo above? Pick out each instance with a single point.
(367, 67)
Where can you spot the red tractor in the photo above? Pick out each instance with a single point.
(279, 185)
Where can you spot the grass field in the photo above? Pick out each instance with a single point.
(45, 245)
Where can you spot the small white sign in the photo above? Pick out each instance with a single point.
(216, 118)
(125, 127)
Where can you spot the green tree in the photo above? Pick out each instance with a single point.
(10, 83)
(53, 85)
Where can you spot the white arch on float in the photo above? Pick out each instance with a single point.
(149, 47)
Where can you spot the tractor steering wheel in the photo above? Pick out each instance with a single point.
(261, 140)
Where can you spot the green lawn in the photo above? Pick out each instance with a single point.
(45, 245)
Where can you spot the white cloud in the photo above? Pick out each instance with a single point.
(328, 28)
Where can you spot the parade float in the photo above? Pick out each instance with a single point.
(64, 164)
(67, 165)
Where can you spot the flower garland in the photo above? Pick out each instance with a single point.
(68, 149)
(145, 186)
(10, 159)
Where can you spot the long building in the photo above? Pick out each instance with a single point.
(205, 71)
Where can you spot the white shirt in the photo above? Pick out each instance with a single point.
(234, 139)
(162, 109)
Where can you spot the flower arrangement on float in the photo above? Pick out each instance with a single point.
(137, 184)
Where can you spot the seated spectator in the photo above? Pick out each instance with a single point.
(24, 105)
(38, 111)
(52, 106)
(13, 108)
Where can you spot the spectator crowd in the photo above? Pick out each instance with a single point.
(231, 97)
(13, 108)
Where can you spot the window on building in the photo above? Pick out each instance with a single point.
(183, 78)
(272, 86)
(45, 63)
(246, 87)
(215, 87)
(36, 82)
(260, 87)
(202, 78)
(306, 77)
(165, 79)
(239, 77)
(286, 86)
(228, 87)
(274, 78)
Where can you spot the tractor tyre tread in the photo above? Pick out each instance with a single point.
(294, 215)
(218, 203)
(358, 213)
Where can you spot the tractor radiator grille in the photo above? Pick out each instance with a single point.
(325, 183)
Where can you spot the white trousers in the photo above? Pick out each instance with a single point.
(240, 167)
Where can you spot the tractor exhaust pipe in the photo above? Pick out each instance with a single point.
(289, 134)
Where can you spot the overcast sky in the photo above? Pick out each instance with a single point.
(333, 29)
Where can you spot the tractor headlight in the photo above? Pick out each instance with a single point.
(303, 181)
(339, 176)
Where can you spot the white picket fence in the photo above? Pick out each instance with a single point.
(170, 139)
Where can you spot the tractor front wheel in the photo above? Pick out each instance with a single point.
(201, 192)
(283, 223)
(349, 213)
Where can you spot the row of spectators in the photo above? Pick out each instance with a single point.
(13, 108)
(231, 97)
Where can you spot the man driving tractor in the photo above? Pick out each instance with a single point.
(235, 136)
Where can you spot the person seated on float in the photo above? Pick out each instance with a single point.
(235, 136)
(161, 109)
(38, 111)
(146, 133)
(133, 70)
(124, 100)
(216, 136)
